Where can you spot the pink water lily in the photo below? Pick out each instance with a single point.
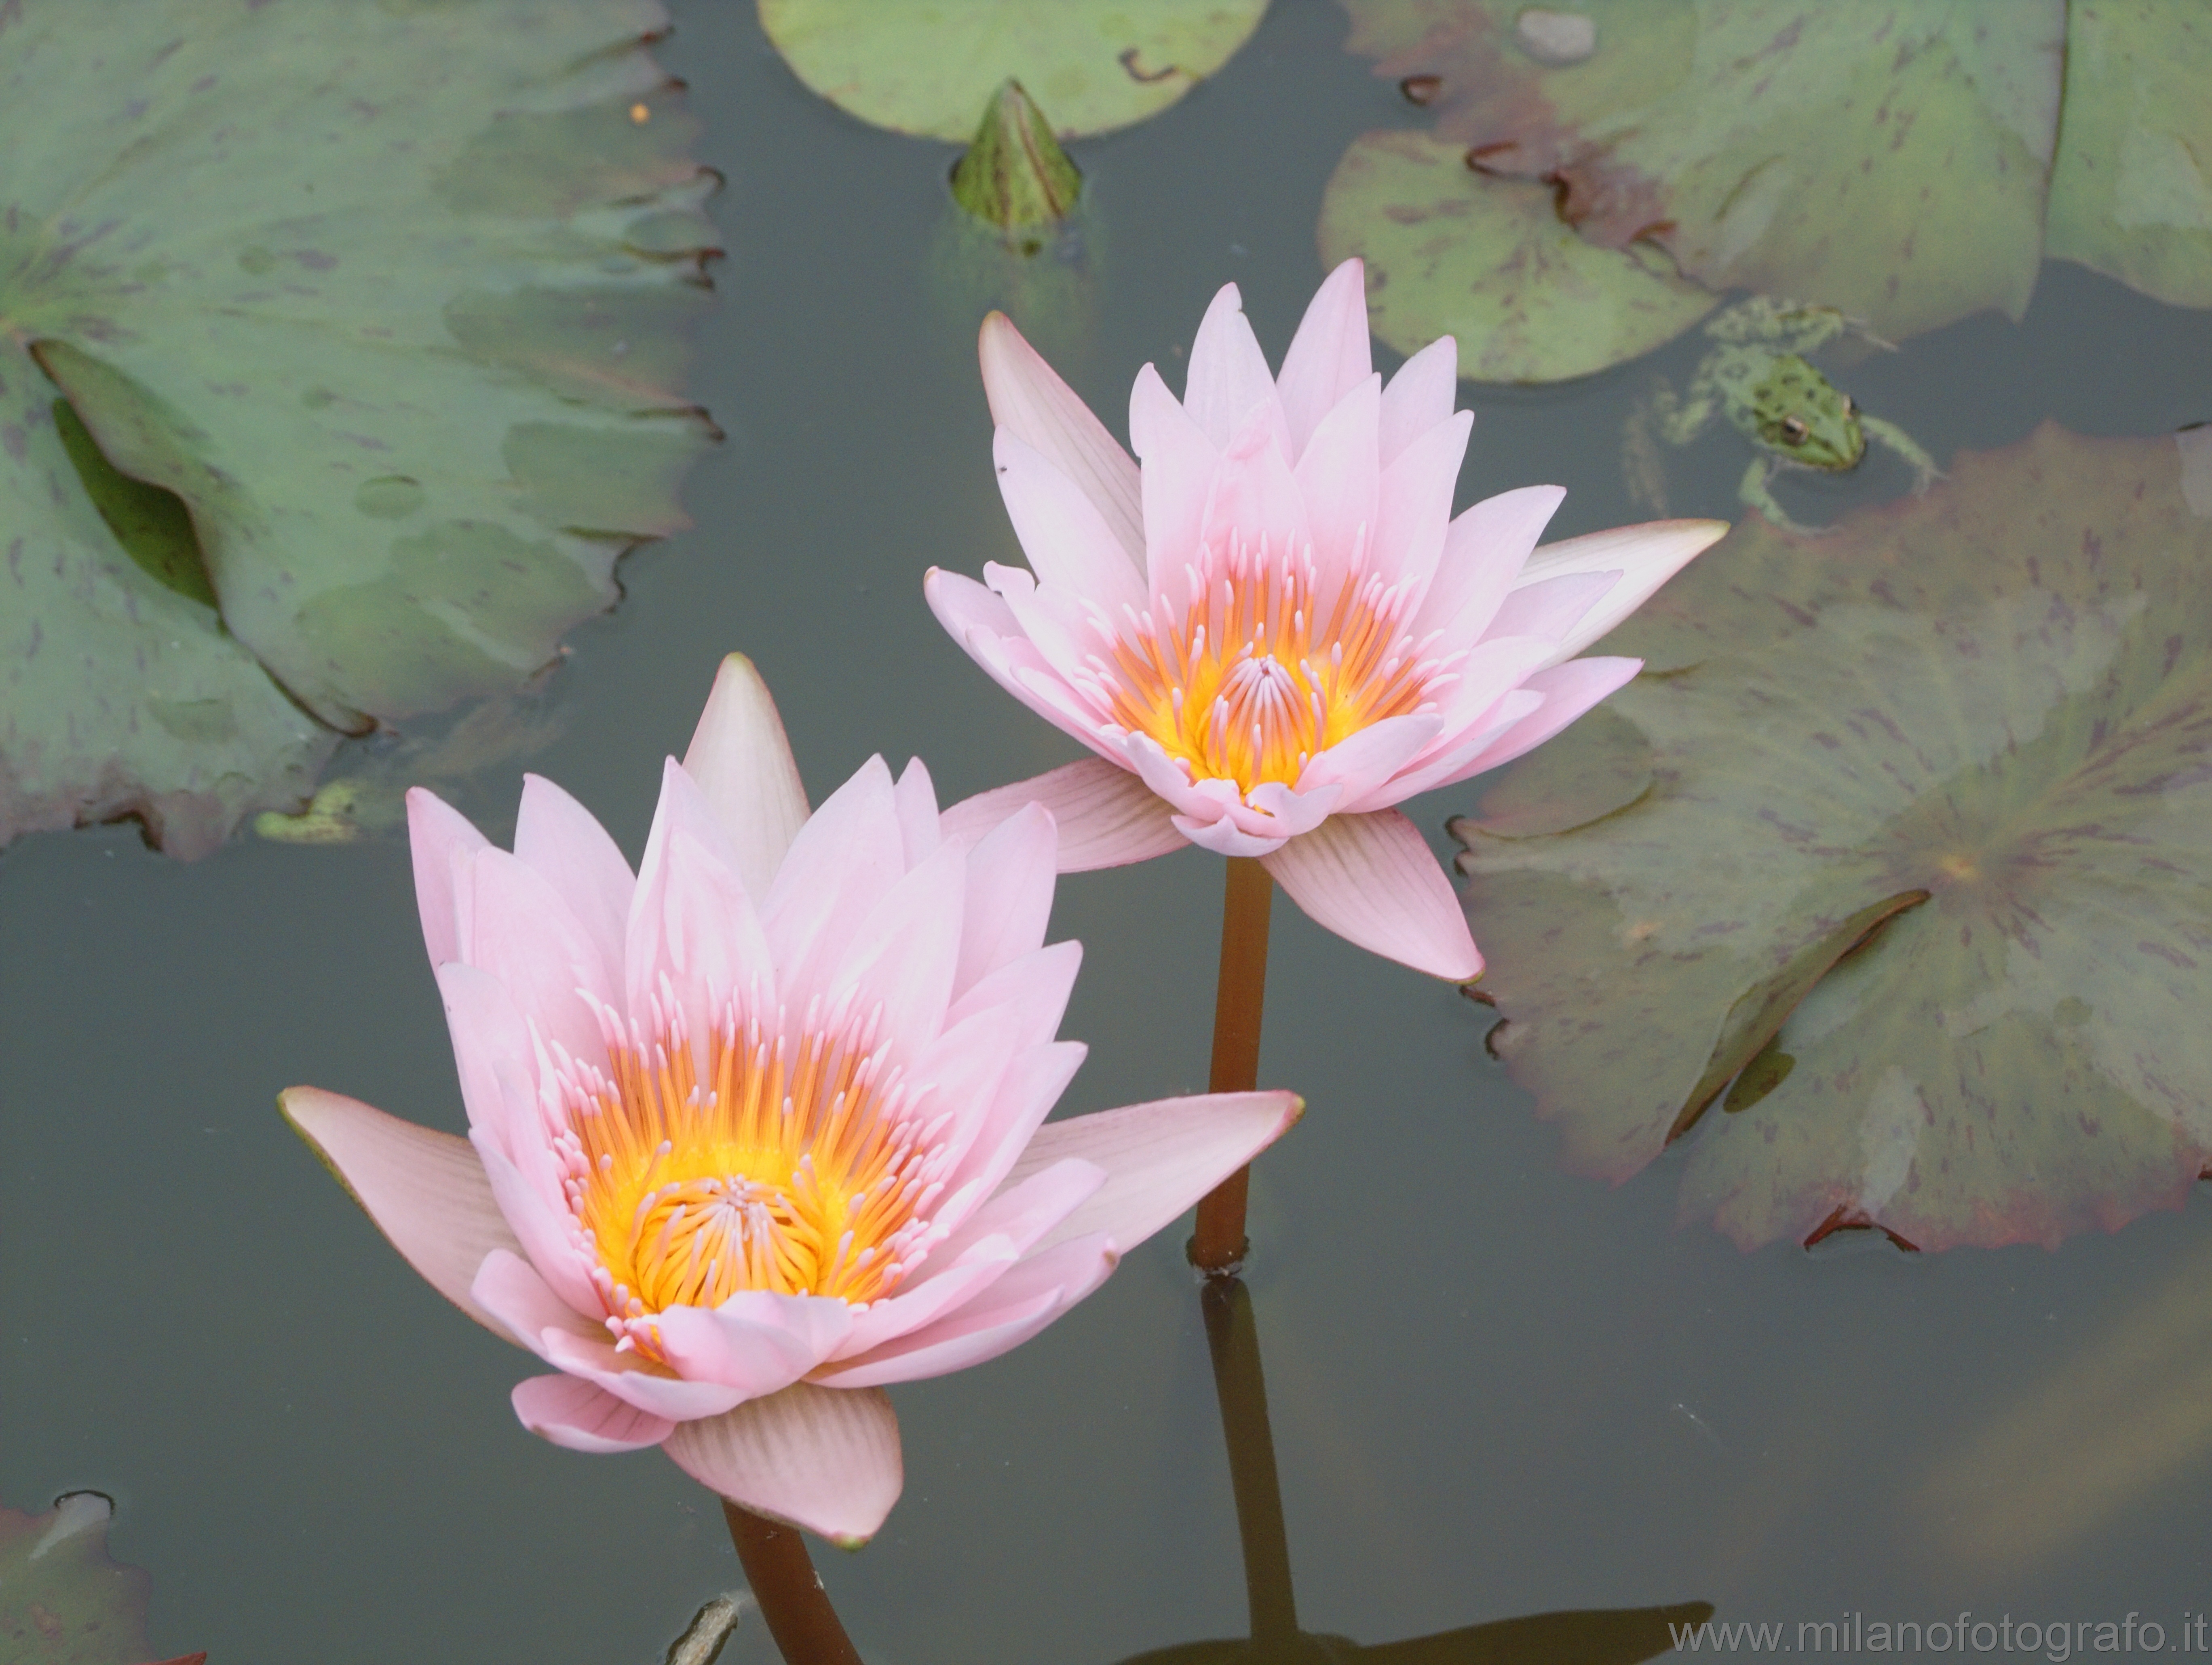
(1268, 626)
(761, 1129)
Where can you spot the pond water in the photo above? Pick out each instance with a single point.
(1497, 1389)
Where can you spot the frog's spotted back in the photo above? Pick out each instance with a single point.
(1796, 409)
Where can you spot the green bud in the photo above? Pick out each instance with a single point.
(1014, 175)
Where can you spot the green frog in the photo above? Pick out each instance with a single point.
(1756, 375)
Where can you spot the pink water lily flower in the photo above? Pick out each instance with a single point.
(1268, 626)
(761, 1129)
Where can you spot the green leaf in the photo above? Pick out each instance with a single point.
(2131, 191)
(1999, 695)
(1888, 160)
(63, 1601)
(364, 324)
(1093, 65)
(1490, 262)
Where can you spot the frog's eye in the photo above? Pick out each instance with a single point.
(1793, 430)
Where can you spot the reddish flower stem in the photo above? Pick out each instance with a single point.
(1219, 1246)
(792, 1602)
(1233, 1338)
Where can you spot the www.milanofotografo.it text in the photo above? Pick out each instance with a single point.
(2055, 1639)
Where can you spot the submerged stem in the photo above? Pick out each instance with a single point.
(792, 1602)
(1218, 1245)
(1233, 1338)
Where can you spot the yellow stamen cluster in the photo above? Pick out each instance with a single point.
(789, 1165)
(1261, 671)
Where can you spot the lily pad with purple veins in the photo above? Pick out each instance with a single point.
(1900, 916)
(341, 356)
(63, 1600)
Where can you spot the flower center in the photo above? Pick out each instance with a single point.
(792, 1165)
(1261, 670)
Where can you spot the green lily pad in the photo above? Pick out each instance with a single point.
(2131, 190)
(63, 1601)
(1489, 261)
(1891, 163)
(1910, 852)
(1093, 65)
(364, 324)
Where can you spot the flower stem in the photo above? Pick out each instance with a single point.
(1233, 1338)
(791, 1599)
(1219, 1246)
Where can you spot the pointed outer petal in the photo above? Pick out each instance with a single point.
(1338, 478)
(1646, 556)
(542, 1226)
(1160, 1158)
(1550, 607)
(436, 833)
(510, 1288)
(1484, 552)
(1037, 985)
(1458, 759)
(1365, 761)
(1224, 837)
(1179, 462)
(808, 1456)
(955, 1082)
(1228, 383)
(1028, 397)
(1371, 880)
(1328, 356)
(1492, 669)
(757, 1341)
(426, 1190)
(524, 1306)
(558, 838)
(963, 606)
(691, 916)
(1106, 816)
(1569, 690)
(915, 799)
(903, 955)
(692, 922)
(1416, 498)
(1064, 630)
(1012, 1308)
(1272, 810)
(492, 1052)
(1066, 539)
(1419, 396)
(742, 762)
(973, 1258)
(537, 950)
(1010, 881)
(1253, 503)
(1030, 1087)
(579, 1417)
(843, 862)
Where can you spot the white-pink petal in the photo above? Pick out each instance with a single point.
(1646, 556)
(1229, 386)
(1372, 880)
(559, 839)
(1419, 396)
(1328, 356)
(823, 1458)
(742, 762)
(1159, 1157)
(426, 1190)
(1483, 552)
(1105, 815)
(573, 1414)
(1028, 396)
(436, 834)
(1065, 539)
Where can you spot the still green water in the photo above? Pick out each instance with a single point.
(1497, 1389)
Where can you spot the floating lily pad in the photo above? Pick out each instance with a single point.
(1902, 919)
(1093, 65)
(2131, 190)
(63, 1601)
(378, 314)
(1889, 160)
(1489, 261)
